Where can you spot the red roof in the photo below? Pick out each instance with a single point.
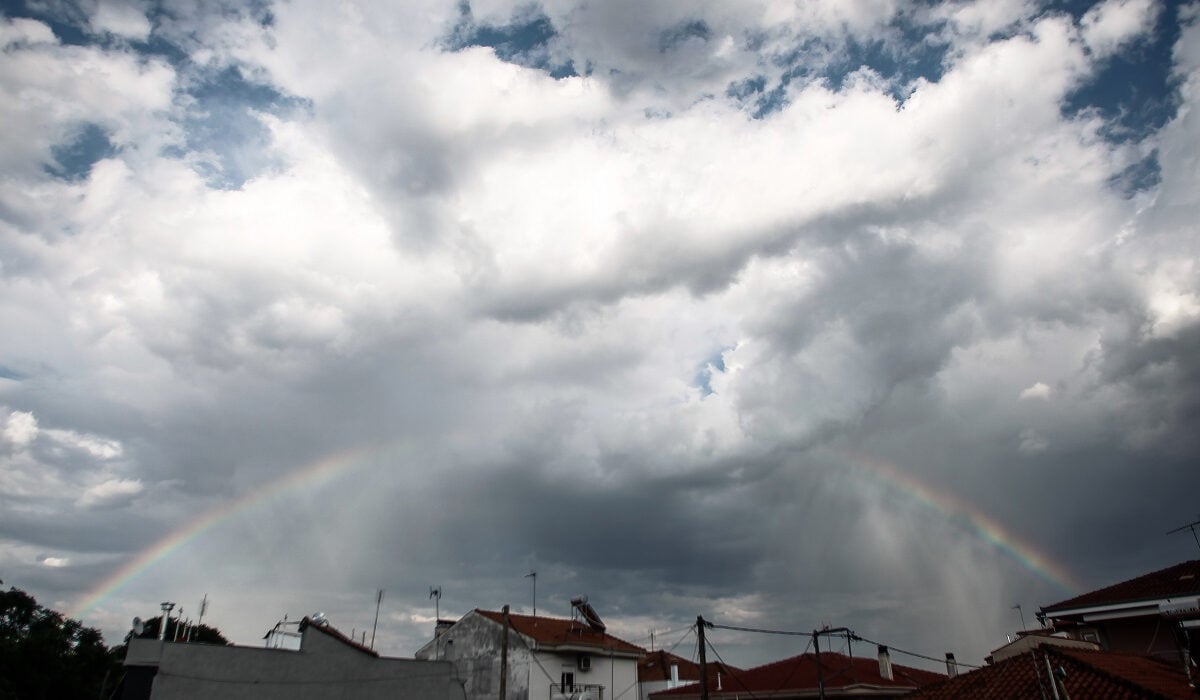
(557, 631)
(332, 631)
(799, 673)
(656, 666)
(1172, 582)
(1085, 674)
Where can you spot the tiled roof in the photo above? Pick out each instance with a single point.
(330, 630)
(1171, 582)
(656, 666)
(1085, 674)
(557, 631)
(800, 673)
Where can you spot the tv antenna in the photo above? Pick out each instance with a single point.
(1190, 526)
(533, 575)
(378, 602)
(435, 592)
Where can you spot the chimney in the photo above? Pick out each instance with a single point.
(441, 627)
(885, 664)
(951, 665)
(674, 676)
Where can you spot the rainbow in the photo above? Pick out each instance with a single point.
(940, 501)
(318, 472)
(952, 507)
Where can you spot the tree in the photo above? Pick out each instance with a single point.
(45, 655)
(199, 633)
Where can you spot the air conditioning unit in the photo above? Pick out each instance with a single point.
(585, 662)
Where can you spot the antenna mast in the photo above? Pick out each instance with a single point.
(1190, 526)
(378, 602)
(533, 575)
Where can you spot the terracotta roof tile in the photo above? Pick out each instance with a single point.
(1171, 582)
(557, 631)
(331, 631)
(800, 673)
(1088, 674)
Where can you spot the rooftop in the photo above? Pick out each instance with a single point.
(1172, 582)
(557, 631)
(800, 673)
(1084, 674)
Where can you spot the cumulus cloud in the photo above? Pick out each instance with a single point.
(1038, 390)
(20, 428)
(661, 286)
(110, 493)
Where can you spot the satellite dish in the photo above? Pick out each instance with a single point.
(138, 626)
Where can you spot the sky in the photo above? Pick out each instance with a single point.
(857, 313)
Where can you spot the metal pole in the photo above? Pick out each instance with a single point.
(504, 659)
(378, 601)
(703, 658)
(820, 674)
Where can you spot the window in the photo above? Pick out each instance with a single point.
(568, 682)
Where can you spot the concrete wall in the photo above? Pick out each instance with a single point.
(617, 675)
(473, 647)
(324, 668)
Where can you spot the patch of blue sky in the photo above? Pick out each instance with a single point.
(1133, 91)
(704, 373)
(6, 373)
(221, 121)
(525, 40)
(909, 51)
(1142, 175)
(683, 32)
(73, 159)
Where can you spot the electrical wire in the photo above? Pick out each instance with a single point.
(759, 631)
(853, 635)
(898, 650)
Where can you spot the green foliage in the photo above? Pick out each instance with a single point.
(202, 634)
(44, 655)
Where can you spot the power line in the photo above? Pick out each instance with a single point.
(759, 631)
(853, 635)
(912, 653)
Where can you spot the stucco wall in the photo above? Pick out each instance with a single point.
(473, 646)
(324, 668)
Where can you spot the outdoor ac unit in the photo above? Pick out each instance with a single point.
(585, 662)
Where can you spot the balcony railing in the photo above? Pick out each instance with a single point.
(595, 692)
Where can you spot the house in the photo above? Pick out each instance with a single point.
(546, 657)
(1051, 671)
(325, 663)
(841, 676)
(1157, 613)
(1027, 640)
(662, 670)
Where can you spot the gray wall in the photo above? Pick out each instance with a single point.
(324, 668)
(473, 646)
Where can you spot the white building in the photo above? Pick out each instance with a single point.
(548, 658)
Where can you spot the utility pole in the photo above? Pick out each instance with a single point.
(504, 659)
(700, 623)
(820, 674)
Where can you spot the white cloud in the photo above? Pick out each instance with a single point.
(1110, 24)
(20, 428)
(56, 562)
(110, 493)
(125, 19)
(1038, 390)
